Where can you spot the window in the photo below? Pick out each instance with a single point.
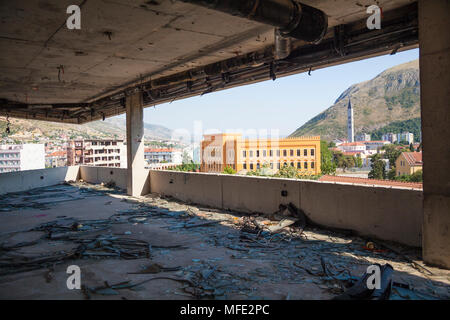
(271, 153)
(251, 166)
(298, 152)
(245, 166)
(251, 153)
(244, 153)
(291, 153)
(305, 165)
(264, 153)
(312, 152)
(299, 166)
(292, 164)
(271, 165)
(285, 164)
(257, 153)
(312, 165)
(278, 165)
(278, 153)
(284, 153)
(257, 165)
(305, 152)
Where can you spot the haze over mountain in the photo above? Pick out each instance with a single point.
(388, 100)
(110, 128)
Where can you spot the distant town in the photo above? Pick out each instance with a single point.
(396, 157)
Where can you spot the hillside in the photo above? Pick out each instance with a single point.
(392, 96)
(110, 128)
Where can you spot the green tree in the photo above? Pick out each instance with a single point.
(186, 157)
(327, 165)
(392, 153)
(378, 169)
(358, 161)
(417, 176)
(287, 171)
(391, 174)
(229, 170)
(411, 147)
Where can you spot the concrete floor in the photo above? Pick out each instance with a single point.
(223, 261)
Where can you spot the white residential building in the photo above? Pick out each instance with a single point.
(405, 136)
(375, 145)
(363, 137)
(21, 157)
(352, 146)
(163, 155)
(391, 137)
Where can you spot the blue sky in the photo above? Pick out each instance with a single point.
(284, 104)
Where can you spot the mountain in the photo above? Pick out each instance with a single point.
(22, 129)
(392, 96)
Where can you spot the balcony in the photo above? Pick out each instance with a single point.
(199, 235)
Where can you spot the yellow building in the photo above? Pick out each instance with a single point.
(230, 149)
(408, 163)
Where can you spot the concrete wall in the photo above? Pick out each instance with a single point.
(104, 175)
(383, 212)
(434, 39)
(29, 179)
(93, 174)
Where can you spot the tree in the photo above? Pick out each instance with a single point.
(186, 157)
(287, 171)
(417, 176)
(326, 158)
(378, 169)
(358, 162)
(392, 153)
(391, 174)
(229, 170)
(411, 147)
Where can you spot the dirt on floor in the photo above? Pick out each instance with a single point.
(159, 248)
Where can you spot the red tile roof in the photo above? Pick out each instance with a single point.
(414, 185)
(158, 150)
(413, 158)
(57, 154)
(351, 153)
(351, 144)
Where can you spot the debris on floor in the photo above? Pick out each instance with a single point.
(219, 255)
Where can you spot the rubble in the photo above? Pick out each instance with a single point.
(231, 255)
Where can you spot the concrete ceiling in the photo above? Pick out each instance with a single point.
(124, 42)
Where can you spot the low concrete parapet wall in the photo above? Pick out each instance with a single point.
(386, 213)
(29, 179)
(104, 175)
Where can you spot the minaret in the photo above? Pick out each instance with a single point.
(350, 129)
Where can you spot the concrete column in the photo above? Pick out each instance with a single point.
(434, 42)
(136, 174)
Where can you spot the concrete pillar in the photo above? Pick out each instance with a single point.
(136, 174)
(434, 42)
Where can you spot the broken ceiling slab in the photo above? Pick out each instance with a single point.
(129, 45)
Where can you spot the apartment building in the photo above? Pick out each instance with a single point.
(363, 137)
(406, 136)
(21, 157)
(398, 137)
(163, 155)
(221, 150)
(56, 159)
(102, 153)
